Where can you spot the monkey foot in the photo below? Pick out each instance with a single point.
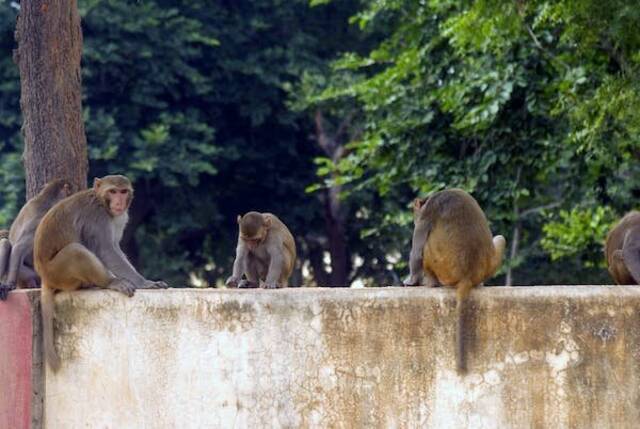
(121, 285)
(270, 286)
(247, 284)
(4, 291)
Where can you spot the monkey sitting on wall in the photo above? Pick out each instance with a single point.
(266, 251)
(453, 246)
(16, 250)
(78, 244)
(622, 250)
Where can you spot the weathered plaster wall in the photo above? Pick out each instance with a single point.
(538, 357)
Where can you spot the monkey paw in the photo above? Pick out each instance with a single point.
(4, 291)
(150, 284)
(270, 285)
(122, 285)
(412, 281)
(231, 282)
(247, 284)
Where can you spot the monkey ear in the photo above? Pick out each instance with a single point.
(96, 183)
(267, 221)
(239, 219)
(417, 203)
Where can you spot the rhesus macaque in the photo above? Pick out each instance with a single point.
(622, 249)
(16, 250)
(266, 251)
(452, 246)
(78, 244)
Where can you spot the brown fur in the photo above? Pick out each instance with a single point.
(453, 246)
(16, 249)
(272, 257)
(77, 244)
(622, 250)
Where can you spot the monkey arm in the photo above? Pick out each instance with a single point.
(5, 252)
(418, 241)
(116, 262)
(631, 252)
(239, 265)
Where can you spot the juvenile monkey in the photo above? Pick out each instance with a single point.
(622, 249)
(16, 250)
(452, 246)
(78, 244)
(266, 251)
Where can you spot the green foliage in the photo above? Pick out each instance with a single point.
(579, 232)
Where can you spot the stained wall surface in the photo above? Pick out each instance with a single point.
(538, 357)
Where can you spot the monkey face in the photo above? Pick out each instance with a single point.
(118, 199)
(253, 242)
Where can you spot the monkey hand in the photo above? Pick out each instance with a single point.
(271, 285)
(122, 285)
(150, 284)
(232, 282)
(4, 291)
(247, 284)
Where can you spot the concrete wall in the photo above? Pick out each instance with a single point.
(538, 357)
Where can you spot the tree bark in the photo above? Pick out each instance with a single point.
(49, 50)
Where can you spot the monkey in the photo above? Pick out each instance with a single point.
(265, 251)
(622, 250)
(16, 250)
(452, 245)
(78, 244)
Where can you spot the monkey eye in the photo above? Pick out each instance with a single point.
(124, 191)
(112, 191)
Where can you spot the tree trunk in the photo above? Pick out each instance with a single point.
(49, 49)
(335, 219)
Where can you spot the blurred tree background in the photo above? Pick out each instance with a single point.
(335, 114)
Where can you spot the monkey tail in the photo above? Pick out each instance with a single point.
(47, 306)
(462, 292)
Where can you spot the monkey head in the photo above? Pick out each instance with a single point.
(56, 189)
(254, 227)
(115, 192)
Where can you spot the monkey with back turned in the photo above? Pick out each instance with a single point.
(622, 250)
(452, 245)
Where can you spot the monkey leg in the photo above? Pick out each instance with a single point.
(76, 265)
(27, 277)
(416, 257)
(462, 293)
(19, 252)
(5, 252)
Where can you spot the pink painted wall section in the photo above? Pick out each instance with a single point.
(16, 339)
